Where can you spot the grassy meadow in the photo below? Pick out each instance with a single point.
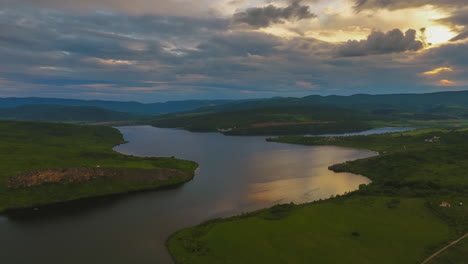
(26, 146)
(358, 229)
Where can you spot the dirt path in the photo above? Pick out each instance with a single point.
(443, 249)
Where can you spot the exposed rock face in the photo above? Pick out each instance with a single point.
(78, 175)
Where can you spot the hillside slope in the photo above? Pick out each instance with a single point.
(272, 120)
(453, 104)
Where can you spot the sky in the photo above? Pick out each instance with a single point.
(154, 50)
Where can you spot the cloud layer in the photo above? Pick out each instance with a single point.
(401, 4)
(258, 49)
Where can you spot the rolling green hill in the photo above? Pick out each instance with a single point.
(430, 105)
(325, 114)
(60, 113)
(272, 120)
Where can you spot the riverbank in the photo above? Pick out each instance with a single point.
(395, 219)
(46, 163)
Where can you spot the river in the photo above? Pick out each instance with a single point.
(236, 174)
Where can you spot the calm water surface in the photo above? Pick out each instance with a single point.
(379, 130)
(236, 174)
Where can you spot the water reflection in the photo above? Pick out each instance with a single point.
(304, 189)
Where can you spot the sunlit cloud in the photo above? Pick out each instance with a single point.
(245, 91)
(144, 89)
(306, 85)
(438, 70)
(191, 77)
(109, 61)
(439, 34)
(156, 82)
(447, 83)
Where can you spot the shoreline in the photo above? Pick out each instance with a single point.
(97, 197)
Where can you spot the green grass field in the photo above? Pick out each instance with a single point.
(395, 219)
(454, 255)
(360, 229)
(27, 146)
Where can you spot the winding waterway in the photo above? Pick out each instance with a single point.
(236, 174)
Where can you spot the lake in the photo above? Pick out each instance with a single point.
(236, 174)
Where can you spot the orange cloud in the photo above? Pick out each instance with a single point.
(306, 85)
(109, 61)
(437, 71)
(447, 83)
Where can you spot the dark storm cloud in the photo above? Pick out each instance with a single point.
(135, 7)
(381, 43)
(401, 4)
(455, 54)
(240, 44)
(101, 35)
(260, 17)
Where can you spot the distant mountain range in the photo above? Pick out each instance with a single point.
(323, 114)
(440, 102)
(60, 113)
(129, 107)
(440, 105)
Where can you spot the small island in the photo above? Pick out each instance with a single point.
(45, 163)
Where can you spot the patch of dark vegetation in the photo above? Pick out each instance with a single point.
(194, 246)
(393, 203)
(278, 211)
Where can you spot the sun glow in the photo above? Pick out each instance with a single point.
(438, 34)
